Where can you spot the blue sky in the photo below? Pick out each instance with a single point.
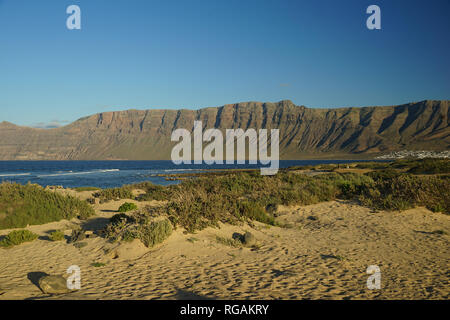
(143, 54)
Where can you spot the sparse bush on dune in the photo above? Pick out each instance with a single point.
(231, 242)
(138, 226)
(254, 211)
(304, 167)
(81, 189)
(117, 226)
(152, 191)
(386, 174)
(22, 205)
(196, 209)
(57, 235)
(117, 218)
(407, 191)
(372, 165)
(235, 197)
(154, 233)
(430, 166)
(17, 237)
(415, 166)
(327, 167)
(127, 206)
(124, 192)
(422, 166)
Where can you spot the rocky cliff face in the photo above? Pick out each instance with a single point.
(304, 132)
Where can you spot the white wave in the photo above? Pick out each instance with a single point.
(70, 173)
(15, 174)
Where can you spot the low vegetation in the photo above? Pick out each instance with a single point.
(414, 166)
(154, 233)
(244, 196)
(57, 235)
(127, 206)
(80, 245)
(98, 264)
(17, 237)
(152, 191)
(81, 189)
(22, 205)
(406, 191)
(234, 243)
(430, 166)
(124, 192)
(192, 240)
(138, 226)
(372, 165)
(238, 196)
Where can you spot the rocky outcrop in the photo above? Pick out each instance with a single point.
(304, 132)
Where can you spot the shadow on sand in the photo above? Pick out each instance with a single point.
(95, 224)
(187, 295)
(34, 277)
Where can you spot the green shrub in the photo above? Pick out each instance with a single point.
(407, 191)
(196, 209)
(155, 232)
(98, 264)
(327, 167)
(17, 237)
(117, 226)
(152, 191)
(254, 211)
(80, 245)
(234, 196)
(77, 235)
(139, 226)
(22, 205)
(56, 235)
(235, 243)
(129, 236)
(127, 206)
(118, 218)
(384, 174)
(80, 189)
(431, 166)
(124, 192)
(438, 207)
(404, 163)
(372, 165)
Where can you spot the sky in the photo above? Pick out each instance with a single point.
(145, 54)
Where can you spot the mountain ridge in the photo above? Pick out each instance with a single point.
(345, 132)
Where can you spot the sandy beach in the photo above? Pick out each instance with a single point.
(322, 252)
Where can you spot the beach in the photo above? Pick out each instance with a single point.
(322, 252)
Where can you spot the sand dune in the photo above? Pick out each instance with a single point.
(322, 253)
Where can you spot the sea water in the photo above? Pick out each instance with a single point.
(111, 174)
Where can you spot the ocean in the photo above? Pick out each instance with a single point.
(111, 174)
